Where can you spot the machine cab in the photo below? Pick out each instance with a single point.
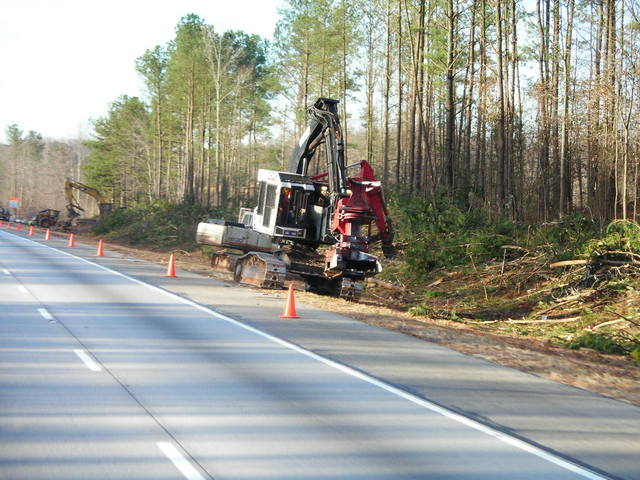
(284, 202)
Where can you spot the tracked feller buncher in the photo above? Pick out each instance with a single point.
(318, 227)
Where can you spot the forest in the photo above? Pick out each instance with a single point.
(33, 168)
(522, 109)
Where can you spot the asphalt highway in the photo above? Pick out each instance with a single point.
(108, 370)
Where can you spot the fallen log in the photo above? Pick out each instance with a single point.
(610, 322)
(566, 263)
(382, 283)
(559, 320)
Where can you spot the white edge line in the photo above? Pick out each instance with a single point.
(179, 461)
(508, 439)
(23, 289)
(87, 360)
(45, 314)
(5, 271)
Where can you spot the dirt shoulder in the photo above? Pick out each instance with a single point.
(614, 376)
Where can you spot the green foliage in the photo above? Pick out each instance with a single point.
(315, 47)
(617, 286)
(29, 146)
(420, 310)
(567, 236)
(440, 234)
(435, 294)
(619, 236)
(620, 342)
(14, 134)
(160, 225)
(117, 165)
(34, 145)
(152, 66)
(196, 138)
(601, 342)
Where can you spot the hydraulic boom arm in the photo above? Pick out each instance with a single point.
(324, 127)
(72, 204)
(354, 203)
(297, 212)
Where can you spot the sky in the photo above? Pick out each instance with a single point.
(63, 61)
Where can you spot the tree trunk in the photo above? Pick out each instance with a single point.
(449, 143)
(387, 88)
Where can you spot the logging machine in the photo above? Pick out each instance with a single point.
(319, 227)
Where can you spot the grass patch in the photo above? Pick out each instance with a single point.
(601, 342)
(159, 225)
(513, 290)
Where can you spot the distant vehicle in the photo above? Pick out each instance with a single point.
(4, 215)
(46, 218)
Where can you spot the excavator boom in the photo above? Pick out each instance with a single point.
(73, 207)
(324, 127)
(353, 202)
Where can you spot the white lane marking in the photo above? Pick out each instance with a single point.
(45, 314)
(5, 271)
(88, 361)
(22, 289)
(179, 461)
(508, 439)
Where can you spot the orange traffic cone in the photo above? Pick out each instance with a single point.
(171, 269)
(290, 307)
(9, 226)
(1, 223)
(47, 235)
(100, 252)
(31, 230)
(17, 227)
(72, 241)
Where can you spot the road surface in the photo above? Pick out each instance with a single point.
(108, 370)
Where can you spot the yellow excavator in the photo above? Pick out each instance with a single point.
(74, 208)
(49, 218)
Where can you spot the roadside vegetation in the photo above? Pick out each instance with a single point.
(158, 225)
(573, 282)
